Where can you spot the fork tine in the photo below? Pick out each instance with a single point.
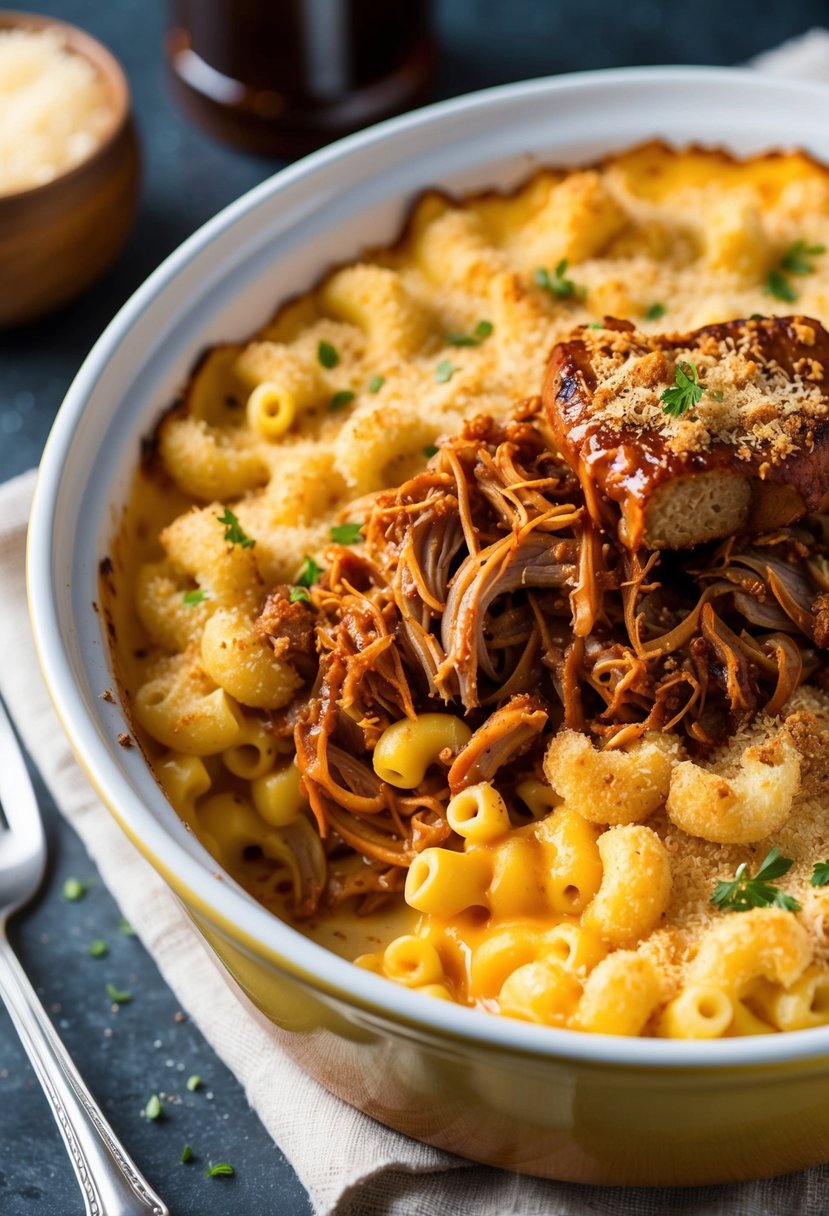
(17, 797)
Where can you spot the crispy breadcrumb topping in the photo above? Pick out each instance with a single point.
(751, 402)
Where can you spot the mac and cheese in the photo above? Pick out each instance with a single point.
(379, 656)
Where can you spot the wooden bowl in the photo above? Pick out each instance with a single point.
(58, 238)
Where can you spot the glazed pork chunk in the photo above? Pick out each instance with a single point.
(681, 439)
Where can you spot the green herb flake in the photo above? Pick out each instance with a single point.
(758, 316)
(479, 334)
(193, 1083)
(299, 595)
(125, 927)
(347, 534)
(744, 891)
(117, 996)
(191, 598)
(186, 1154)
(655, 312)
(685, 393)
(74, 889)
(309, 573)
(444, 371)
(430, 450)
(557, 284)
(220, 1170)
(234, 532)
(795, 258)
(98, 948)
(341, 399)
(376, 383)
(820, 874)
(154, 1109)
(327, 355)
(596, 325)
(778, 285)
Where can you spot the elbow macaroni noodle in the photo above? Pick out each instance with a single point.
(405, 749)
(567, 899)
(479, 814)
(748, 807)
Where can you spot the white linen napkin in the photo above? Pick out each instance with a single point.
(803, 58)
(350, 1165)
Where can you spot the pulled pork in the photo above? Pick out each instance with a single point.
(483, 589)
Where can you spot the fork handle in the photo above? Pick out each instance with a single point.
(110, 1181)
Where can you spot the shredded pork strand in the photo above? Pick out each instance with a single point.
(484, 590)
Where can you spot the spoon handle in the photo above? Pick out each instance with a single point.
(110, 1181)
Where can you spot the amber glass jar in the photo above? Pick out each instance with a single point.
(284, 76)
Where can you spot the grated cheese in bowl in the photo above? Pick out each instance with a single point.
(54, 108)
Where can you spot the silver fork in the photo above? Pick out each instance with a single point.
(110, 1181)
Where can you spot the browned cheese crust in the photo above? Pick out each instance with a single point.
(751, 455)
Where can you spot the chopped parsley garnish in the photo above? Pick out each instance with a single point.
(98, 948)
(376, 383)
(186, 1154)
(820, 874)
(685, 393)
(430, 450)
(744, 891)
(234, 532)
(220, 1170)
(125, 927)
(309, 573)
(299, 595)
(154, 1109)
(758, 316)
(341, 399)
(596, 325)
(794, 259)
(327, 355)
(655, 312)
(778, 285)
(194, 1082)
(347, 534)
(117, 996)
(444, 371)
(557, 284)
(479, 334)
(74, 889)
(191, 598)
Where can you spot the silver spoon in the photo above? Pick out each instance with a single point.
(110, 1181)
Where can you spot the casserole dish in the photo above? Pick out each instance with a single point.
(559, 1104)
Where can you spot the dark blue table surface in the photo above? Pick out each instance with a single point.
(147, 1046)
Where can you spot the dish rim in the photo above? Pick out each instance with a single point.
(251, 926)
